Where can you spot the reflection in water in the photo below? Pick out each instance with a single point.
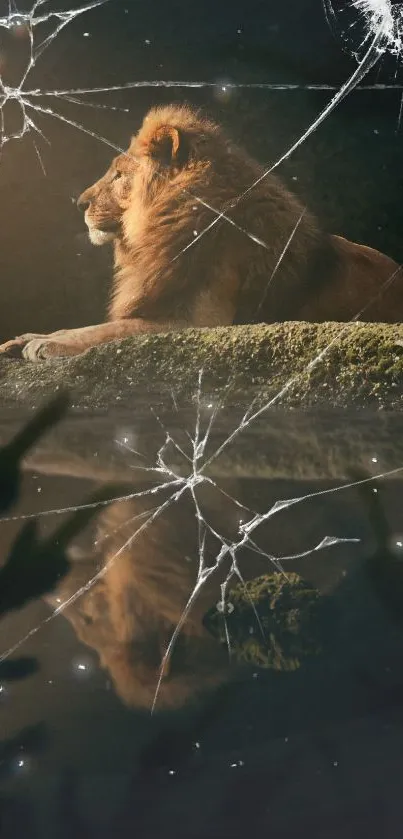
(129, 615)
(159, 548)
(249, 667)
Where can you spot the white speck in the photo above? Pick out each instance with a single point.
(195, 233)
(335, 763)
(58, 600)
(225, 607)
(81, 667)
(86, 35)
(376, 131)
(374, 459)
(39, 489)
(239, 31)
(399, 544)
(197, 745)
(375, 490)
(20, 763)
(50, 681)
(147, 41)
(223, 88)
(295, 177)
(172, 772)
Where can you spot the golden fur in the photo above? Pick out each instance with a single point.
(178, 264)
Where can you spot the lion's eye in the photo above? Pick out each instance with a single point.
(116, 176)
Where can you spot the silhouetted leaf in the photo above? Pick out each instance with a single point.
(12, 454)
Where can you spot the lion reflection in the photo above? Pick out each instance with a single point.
(130, 613)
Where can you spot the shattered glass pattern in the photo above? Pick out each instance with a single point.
(181, 481)
(382, 26)
(381, 34)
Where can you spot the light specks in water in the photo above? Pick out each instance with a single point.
(226, 608)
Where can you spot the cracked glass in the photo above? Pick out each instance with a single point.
(200, 473)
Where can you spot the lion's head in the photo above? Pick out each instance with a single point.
(173, 143)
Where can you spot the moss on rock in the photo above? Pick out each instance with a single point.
(272, 621)
(355, 365)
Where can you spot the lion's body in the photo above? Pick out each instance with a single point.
(203, 237)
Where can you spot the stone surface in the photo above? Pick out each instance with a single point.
(362, 367)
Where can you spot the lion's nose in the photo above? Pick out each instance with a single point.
(83, 203)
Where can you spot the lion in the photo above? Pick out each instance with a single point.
(203, 236)
(129, 614)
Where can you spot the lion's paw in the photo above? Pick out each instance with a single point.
(42, 347)
(15, 347)
(35, 347)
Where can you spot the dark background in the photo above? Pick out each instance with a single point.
(320, 748)
(349, 171)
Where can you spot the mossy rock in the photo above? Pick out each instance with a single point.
(272, 621)
(309, 364)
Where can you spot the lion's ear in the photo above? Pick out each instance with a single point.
(167, 146)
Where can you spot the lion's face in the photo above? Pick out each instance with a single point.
(172, 143)
(105, 201)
